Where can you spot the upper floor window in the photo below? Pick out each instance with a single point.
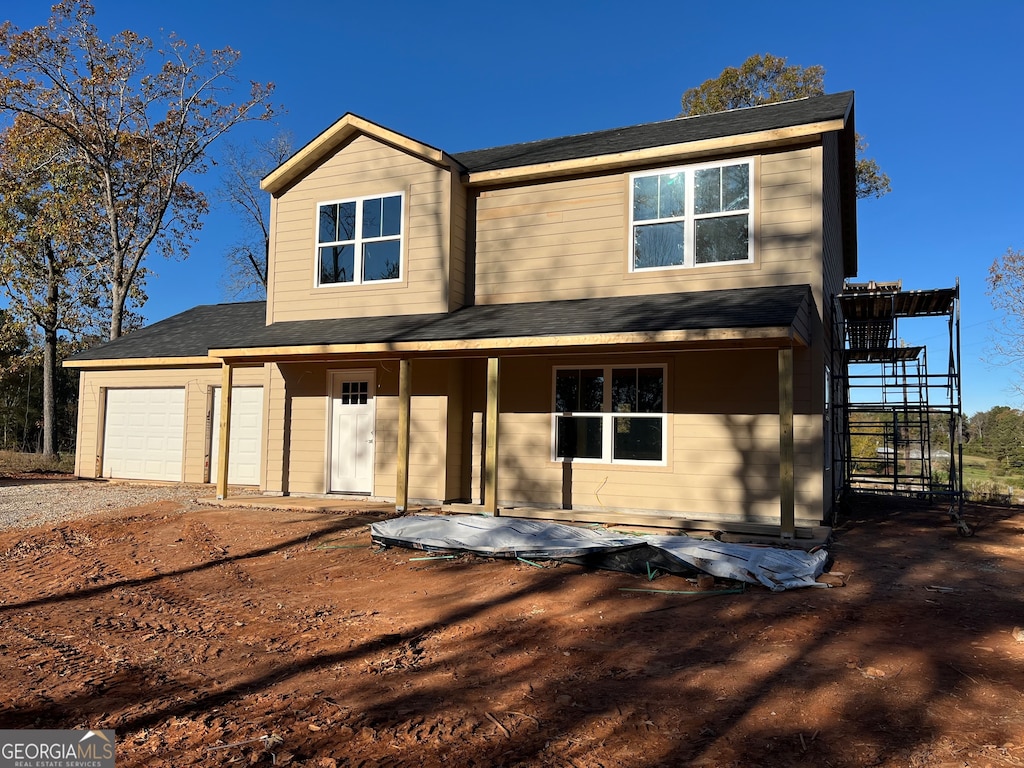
(359, 240)
(692, 216)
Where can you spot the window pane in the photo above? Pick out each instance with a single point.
(623, 390)
(645, 198)
(637, 438)
(578, 437)
(567, 391)
(736, 187)
(637, 390)
(371, 217)
(657, 245)
(347, 221)
(650, 390)
(707, 192)
(591, 390)
(672, 195)
(337, 264)
(328, 223)
(391, 223)
(577, 390)
(381, 260)
(722, 239)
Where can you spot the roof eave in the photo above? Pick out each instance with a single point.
(771, 336)
(142, 362)
(667, 153)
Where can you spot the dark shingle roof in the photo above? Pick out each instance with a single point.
(189, 334)
(677, 131)
(238, 326)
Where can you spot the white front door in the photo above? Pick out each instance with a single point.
(352, 428)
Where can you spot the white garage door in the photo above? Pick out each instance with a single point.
(144, 436)
(246, 436)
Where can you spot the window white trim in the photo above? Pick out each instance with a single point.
(689, 218)
(358, 241)
(608, 416)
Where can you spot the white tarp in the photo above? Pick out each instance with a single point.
(773, 567)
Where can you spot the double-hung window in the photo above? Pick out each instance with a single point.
(692, 216)
(360, 240)
(610, 414)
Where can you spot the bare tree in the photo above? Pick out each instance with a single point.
(245, 274)
(1006, 290)
(137, 126)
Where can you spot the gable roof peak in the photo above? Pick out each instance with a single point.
(341, 131)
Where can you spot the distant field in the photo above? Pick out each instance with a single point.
(984, 480)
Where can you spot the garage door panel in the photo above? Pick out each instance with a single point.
(144, 435)
(246, 435)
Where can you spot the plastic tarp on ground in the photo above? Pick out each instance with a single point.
(773, 567)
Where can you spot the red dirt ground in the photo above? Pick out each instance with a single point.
(254, 637)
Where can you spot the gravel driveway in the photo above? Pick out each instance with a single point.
(28, 502)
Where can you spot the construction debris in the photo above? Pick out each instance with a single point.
(772, 567)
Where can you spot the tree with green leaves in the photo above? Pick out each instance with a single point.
(766, 79)
(138, 119)
(246, 260)
(50, 233)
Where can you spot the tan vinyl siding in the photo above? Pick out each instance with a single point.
(723, 441)
(302, 395)
(195, 382)
(364, 167)
(457, 260)
(306, 434)
(274, 434)
(424, 450)
(569, 239)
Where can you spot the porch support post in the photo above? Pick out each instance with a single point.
(787, 489)
(101, 421)
(225, 430)
(491, 457)
(404, 420)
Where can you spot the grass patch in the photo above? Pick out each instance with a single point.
(984, 481)
(16, 462)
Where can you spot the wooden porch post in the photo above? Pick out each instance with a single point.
(404, 414)
(787, 490)
(491, 459)
(225, 431)
(101, 421)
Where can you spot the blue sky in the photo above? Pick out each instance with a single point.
(940, 99)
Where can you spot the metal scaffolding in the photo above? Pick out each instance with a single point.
(900, 425)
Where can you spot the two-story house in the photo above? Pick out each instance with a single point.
(627, 325)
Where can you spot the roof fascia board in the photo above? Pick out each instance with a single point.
(848, 185)
(780, 336)
(343, 129)
(144, 362)
(672, 152)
